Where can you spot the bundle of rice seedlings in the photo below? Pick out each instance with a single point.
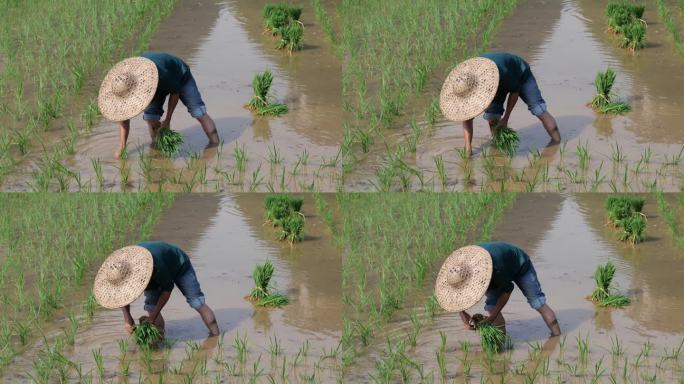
(634, 228)
(281, 206)
(277, 16)
(168, 141)
(291, 37)
(146, 334)
(622, 207)
(292, 228)
(620, 14)
(603, 101)
(261, 84)
(633, 36)
(260, 294)
(602, 294)
(506, 140)
(492, 338)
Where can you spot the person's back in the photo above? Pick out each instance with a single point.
(513, 70)
(169, 262)
(173, 72)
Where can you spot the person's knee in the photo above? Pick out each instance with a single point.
(196, 302)
(198, 111)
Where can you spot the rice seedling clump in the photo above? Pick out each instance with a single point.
(284, 211)
(506, 140)
(624, 18)
(625, 212)
(168, 141)
(260, 103)
(283, 20)
(603, 101)
(492, 337)
(278, 207)
(146, 335)
(603, 293)
(261, 294)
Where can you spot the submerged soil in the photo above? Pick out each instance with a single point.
(225, 237)
(566, 44)
(566, 238)
(225, 45)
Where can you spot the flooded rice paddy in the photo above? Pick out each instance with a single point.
(225, 46)
(566, 44)
(566, 238)
(225, 238)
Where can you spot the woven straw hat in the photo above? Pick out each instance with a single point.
(469, 89)
(123, 276)
(128, 88)
(464, 278)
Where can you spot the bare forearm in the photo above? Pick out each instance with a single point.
(500, 304)
(163, 299)
(127, 314)
(510, 104)
(173, 101)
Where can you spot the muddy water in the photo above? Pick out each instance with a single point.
(566, 44)
(225, 237)
(224, 44)
(566, 239)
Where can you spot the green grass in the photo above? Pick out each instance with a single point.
(492, 338)
(278, 16)
(670, 217)
(622, 207)
(50, 57)
(394, 241)
(624, 18)
(669, 22)
(292, 228)
(50, 242)
(291, 37)
(280, 206)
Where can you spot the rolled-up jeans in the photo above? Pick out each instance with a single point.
(189, 95)
(528, 284)
(189, 287)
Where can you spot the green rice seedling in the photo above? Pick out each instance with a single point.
(441, 170)
(280, 206)
(261, 294)
(621, 14)
(432, 113)
(240, 156)
(675, 160)
(278, 16)
(492, 338)
(291, 37)
(260, 103)
(616, 153)
(168, 141)
(240, 345)
(603, 292)
(622, 207)
(603, 100)
(633, 36)
(616, 348)
(633, 228)
(146, 335)
(506, 140)
(431, 307)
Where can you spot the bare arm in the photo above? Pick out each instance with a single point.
(500, 303)
(163, 299)
(510, 104)
(124, 129)
(173, 101)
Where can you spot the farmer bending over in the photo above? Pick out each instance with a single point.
(490, 270)
(142, 83)
(483, 84)
(153, 267)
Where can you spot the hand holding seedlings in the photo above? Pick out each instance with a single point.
(121, 100)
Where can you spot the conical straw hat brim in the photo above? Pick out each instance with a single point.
(478, 264)
(140, 265)
(462, 107)
(117, 108)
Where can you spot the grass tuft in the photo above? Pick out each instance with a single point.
(506, 140)
(168, 141)
(260, 104)
(146, 335)
(603, 101)
(603, 293)
(261, 294)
